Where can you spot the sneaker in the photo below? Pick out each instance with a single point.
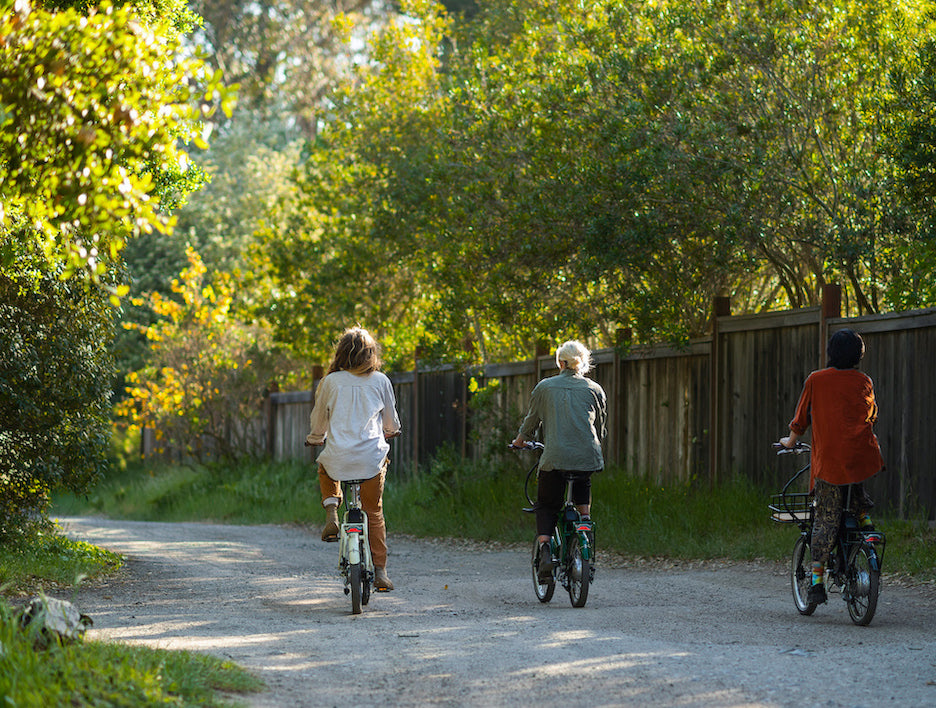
(544, 564)
(816, 594)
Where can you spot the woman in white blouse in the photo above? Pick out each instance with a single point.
(354, 416)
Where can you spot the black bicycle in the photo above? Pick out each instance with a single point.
(572, 545)
(855, 563)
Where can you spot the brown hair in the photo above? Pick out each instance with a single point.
(356, 352)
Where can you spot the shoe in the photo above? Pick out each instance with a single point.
(817, 594)
(544, 564)
(381, 581)
(330, 532)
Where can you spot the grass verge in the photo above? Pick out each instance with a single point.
(484, 502)
(93, 673)
(113, 675)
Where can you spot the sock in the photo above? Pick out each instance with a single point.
(818, 573)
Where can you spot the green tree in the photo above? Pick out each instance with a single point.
(553, 169)
(95, 102)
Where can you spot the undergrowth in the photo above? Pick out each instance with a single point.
(451, 497)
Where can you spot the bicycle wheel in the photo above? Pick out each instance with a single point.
(862, 585)
(544, 591)
(801, 576)
(579, 572)
(354, 575)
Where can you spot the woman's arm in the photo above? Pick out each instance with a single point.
(318, 419)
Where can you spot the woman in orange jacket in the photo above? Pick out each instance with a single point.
(838, 402)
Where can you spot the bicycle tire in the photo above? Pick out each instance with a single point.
(578, 572)
(862, 585)
(801, 576)
(544, 591)
(354, 575)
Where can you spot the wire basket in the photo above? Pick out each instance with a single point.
(795, 508)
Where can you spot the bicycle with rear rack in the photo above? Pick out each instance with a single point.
(855, 563)
(572, 545)
(354, 556)
(355, 563)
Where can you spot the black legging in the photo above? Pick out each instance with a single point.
(550, 496)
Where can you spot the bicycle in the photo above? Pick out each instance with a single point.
(355, 563)
(855, 563)
(572, 545)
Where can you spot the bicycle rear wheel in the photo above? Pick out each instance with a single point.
(354, 575)
(579, 573)
(862, 585)
(801, 576)
(544, 591)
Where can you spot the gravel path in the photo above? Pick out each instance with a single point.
(463, 628)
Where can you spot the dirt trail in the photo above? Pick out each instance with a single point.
(463, 628)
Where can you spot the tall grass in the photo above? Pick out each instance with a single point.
(484, 501)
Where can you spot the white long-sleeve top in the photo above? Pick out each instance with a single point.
(353, 415)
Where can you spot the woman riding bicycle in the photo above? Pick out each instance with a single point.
(355, 412)
(573, 412)
(839, 403)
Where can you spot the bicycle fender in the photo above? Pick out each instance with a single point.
(354, 549)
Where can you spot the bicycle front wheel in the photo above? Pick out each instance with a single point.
(862, 585)
(801, 576)
(354, 575)
(544, 591)
(579, 572)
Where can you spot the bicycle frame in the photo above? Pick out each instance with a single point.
(571, 528)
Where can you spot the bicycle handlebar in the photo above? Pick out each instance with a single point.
(388, 438)
(529, 445)
(798, 448)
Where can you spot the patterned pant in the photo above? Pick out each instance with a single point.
(830, 501)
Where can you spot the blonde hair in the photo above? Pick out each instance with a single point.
(356, 352)
(575, 355)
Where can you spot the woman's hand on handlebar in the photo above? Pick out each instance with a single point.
(521, 444)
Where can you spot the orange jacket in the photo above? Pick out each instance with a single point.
(839, 403)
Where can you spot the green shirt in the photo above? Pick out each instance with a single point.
(573, 411)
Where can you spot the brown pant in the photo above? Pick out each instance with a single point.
(372, 503)
(830, 502)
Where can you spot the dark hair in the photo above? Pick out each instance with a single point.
(357, 351)
(846, 347)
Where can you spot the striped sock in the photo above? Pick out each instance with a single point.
(818, 573)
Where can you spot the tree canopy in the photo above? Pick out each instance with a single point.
(554, 169)
(96, 105)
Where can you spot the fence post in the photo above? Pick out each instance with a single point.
(615, 431)
(831, 308)
(721, 307)
(542, 349)
(269, 411)
(414, 412)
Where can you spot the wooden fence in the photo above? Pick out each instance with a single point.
(706, 412)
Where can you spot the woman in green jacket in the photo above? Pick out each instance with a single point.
(572, 411)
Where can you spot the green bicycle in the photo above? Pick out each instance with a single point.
(572, 545)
